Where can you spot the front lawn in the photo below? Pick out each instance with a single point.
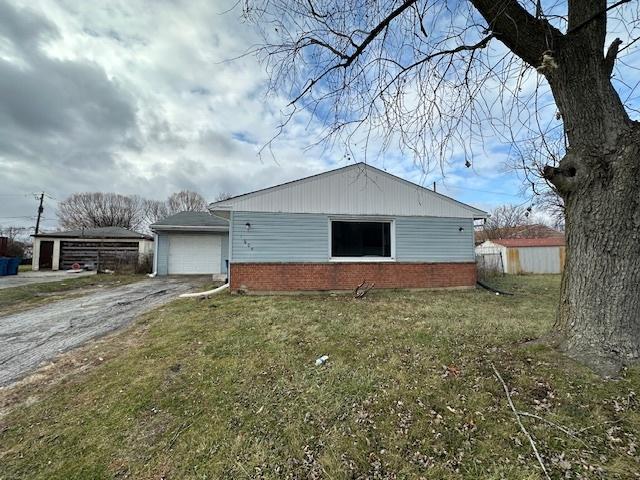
(228, 388)
(17, 299)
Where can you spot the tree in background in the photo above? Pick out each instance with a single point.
(97, 209)
(154, 211)
(433, 76)
(186, 201)
(503, 218)
(17, 240)
(223, 196)
(529, 163)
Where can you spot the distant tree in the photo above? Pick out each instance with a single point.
(97, 209)
(530, 163)
(17, 240)
(223, 196)
(186, 201)
(505, 217)
(154, 211)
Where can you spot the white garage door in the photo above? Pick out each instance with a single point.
(194, 254)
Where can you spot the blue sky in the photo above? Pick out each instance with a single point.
(137, 97)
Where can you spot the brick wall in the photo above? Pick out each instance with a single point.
(266, 277)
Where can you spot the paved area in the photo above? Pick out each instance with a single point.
(27, 278)
(29, 338)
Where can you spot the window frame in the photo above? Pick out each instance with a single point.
(364, 219)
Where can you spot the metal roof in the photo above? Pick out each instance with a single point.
(534, 230)
(530, 242)
(357, 189)
(191, 220)
(98, 232)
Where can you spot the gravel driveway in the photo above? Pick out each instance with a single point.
(27, 278)
(29, 338)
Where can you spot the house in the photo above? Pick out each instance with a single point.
(191, 243)
(334, 230)
(103, 247)
(523, 255)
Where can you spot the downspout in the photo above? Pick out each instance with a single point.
(205, 294)
(155, 256)
(230, 247)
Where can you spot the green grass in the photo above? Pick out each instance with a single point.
(227, 388)
(24, 268)
(22, 298)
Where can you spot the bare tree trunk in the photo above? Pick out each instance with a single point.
(598, 319)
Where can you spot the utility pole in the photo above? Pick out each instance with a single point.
(434, 186)
(40, 210)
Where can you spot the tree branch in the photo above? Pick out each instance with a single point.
(376, 31)
(598, 14)
(528, 37)
(612, 53)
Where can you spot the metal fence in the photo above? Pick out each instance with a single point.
(489, 265)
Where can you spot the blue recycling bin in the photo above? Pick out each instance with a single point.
(12, 265)
(4, 263)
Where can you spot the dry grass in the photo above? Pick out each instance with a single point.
(227, 388)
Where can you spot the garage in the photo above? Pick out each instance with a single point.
(191, 243)
(194, 253)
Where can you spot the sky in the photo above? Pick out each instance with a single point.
(139, 97)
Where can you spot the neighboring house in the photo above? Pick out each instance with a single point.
(523, 255)
(334, 230)
(189, 243)
(103, 247)
(535, 230)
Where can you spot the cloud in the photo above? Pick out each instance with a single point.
(138, 98)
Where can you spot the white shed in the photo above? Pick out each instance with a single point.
(523, 255)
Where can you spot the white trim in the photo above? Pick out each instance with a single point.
(230, 239)
(91, 239)
(155, 254)
(195, 228)
(361, 260)
(55, 257)
(363, 219)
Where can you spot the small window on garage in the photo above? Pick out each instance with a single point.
(361, 239)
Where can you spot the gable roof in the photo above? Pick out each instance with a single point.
(357, 189)
(530, 242)
(97, 232)
(193, 221)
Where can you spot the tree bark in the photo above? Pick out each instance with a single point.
(598, 321)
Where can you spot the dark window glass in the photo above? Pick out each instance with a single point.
(360, 239)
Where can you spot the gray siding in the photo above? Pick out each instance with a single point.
(163, 254)
(357, 189)
(285, 237)
(279, 237)
(428, 239)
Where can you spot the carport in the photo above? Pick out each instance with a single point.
(103, 247)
